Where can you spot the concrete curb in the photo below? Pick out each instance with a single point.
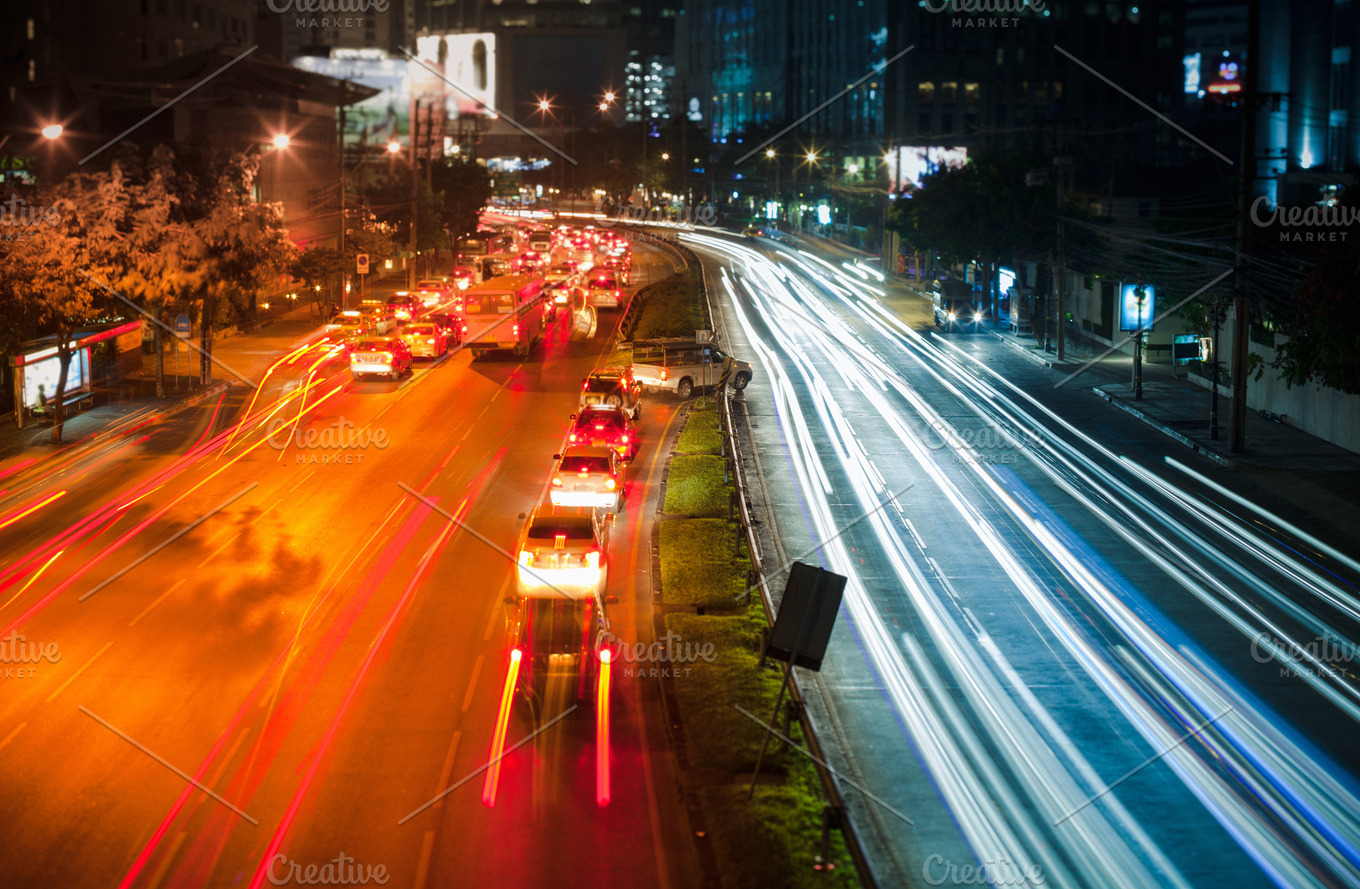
(1167, 430)
(1024, 350)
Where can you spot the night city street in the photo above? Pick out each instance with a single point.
(546, 443)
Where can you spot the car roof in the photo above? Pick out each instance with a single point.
(587, 451)
(376, 341)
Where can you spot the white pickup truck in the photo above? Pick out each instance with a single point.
(681, 365)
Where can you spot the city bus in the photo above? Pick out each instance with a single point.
(504, 313)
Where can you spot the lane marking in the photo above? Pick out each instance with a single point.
(472, 685)
(77, 673)
(177, 584)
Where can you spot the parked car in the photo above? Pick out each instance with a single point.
(588, 476)
(613, 386)
(425, 339)
(681, 365)
(379, 356)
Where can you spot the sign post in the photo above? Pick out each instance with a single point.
(361, 266)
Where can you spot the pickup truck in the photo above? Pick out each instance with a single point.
(681, 365)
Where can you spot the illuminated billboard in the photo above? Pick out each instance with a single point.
(375, 120)
(909, 164)
(1137, 310)
(464, 72)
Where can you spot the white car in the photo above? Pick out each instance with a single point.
(563, 555)
(588, 476)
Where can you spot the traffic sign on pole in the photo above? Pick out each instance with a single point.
(361, 260)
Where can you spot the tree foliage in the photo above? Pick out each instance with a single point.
(1323, 325)
(462, 189)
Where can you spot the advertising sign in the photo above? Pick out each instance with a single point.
(467, 63)
(40, 378)
(1137, 306)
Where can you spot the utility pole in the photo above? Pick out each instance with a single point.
(415, 209)
(1060, 163)
(1237, 428)
(344, 291)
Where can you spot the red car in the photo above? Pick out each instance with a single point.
(604, 426)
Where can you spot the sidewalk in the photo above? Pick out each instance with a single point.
(1172, 403)
(131, 399)
(1180, 408)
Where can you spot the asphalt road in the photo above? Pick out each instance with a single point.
(1059, 656)
(267, 654)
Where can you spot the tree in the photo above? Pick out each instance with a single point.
(66, 263)
(462, 189)
(1323, 325)
(316, 267)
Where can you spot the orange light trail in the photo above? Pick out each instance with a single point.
(493, 768)
(14, 517)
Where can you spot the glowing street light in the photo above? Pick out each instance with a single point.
(394, 147)
(52, 131)
(769, 152)
(281, 140)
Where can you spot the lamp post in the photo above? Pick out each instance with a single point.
(1213, 392)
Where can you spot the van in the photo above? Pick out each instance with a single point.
(956, 306)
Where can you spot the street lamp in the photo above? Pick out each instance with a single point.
(281, 140)
(52, 131)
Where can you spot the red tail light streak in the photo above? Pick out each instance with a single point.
(602, 732)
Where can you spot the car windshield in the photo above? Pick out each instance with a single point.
(584, 463)
(571, 527)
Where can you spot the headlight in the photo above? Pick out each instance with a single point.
(953, 317)
(977, 316)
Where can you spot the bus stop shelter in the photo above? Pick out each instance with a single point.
(36, 367)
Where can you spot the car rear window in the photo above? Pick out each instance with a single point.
(421, 329)
(583, 463)
(602, 385)
(603, 281)
(550, 527)
(603, 418)
(488, 303)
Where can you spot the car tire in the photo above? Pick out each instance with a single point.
(613, 401)
(740, 382)
(684, 388)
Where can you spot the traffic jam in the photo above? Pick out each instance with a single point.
(510, 285)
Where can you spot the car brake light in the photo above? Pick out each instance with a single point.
(560, 541)
(663, 373)
(430, 341)
(526, 558)
(515, 331)
(609, 484)
(593, 559)
(584, 473)
(573, 436)
(557, 482)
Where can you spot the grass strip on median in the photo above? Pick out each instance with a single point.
(773, 839)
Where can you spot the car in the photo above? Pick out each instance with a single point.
(604, 425)
(449, 323)
(560, 272)
(750, 233)
(563, 555)
(433, 292)
(681, 365)
(381, 318)
(529, 262)
(613, 386)
(405, 306)
(605, 290)
(462, 277)
(379, 356)
(588, 476)
(425, 339)
(349, 325)
(621, 266)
